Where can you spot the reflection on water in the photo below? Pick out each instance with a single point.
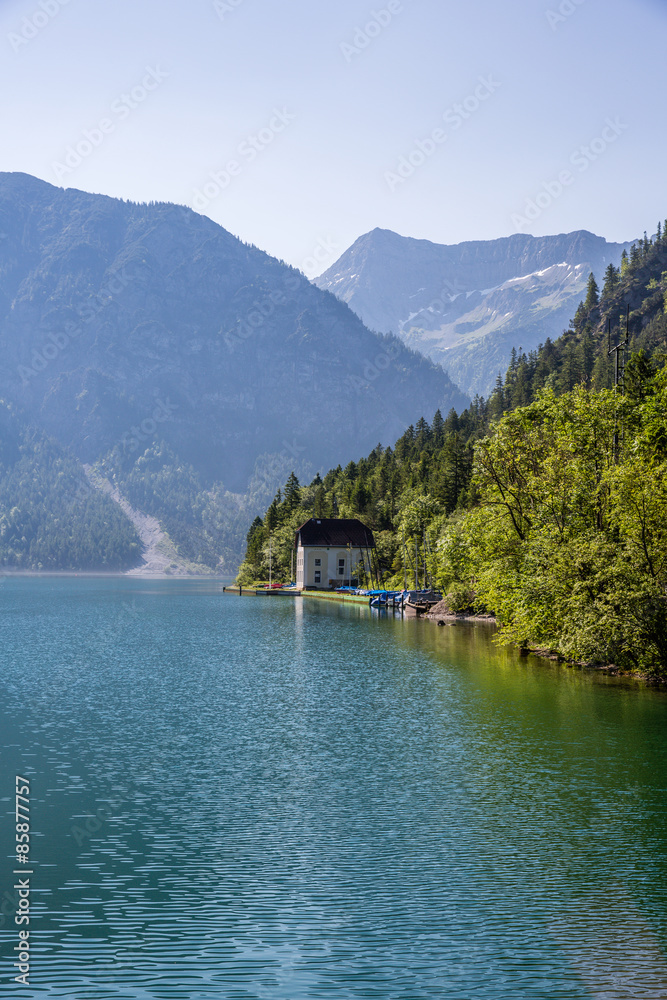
(614, 950)
(269, 798)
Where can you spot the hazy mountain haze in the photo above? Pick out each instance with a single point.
(360, 91)
(467, 306)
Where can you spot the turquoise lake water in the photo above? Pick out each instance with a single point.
(269, 799)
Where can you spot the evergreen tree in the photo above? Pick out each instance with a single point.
(625, 263)
(579, 317)
(520, 390)
(612, 277)
(422, 433)
(272, 517)
(497, 401)
(255, 539)
(452, 422)
(571, 370)
(545, 364)
(592, 296)
(437, 429)
(292, 495)
(320, 504)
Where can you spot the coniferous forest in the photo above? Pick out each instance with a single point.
(50, 516)
(545, 505)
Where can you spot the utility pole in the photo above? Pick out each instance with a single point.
(270, 567)
(405, 565)
(619, 366)
(424, 553)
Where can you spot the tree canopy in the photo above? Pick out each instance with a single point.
(546, 504)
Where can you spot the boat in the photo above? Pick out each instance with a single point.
(382, 598)
(419, 602)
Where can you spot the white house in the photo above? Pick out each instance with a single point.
(329, 551)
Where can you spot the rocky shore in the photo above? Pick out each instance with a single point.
(443, 614)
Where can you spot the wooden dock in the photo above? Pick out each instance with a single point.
(319, 595)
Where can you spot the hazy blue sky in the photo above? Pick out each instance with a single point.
(315, 104)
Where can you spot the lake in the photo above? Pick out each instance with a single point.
(277, 799)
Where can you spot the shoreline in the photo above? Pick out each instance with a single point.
(110, 574)
(607, 669)
(452, 618)
(448, 619)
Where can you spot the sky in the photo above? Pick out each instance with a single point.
(301, 125)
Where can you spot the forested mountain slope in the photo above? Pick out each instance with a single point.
(546, 505)
(148, 337)
(467, 305)
(50, 517)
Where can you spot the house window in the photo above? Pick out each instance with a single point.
(318, 562)
(341, 567)
(318, 576)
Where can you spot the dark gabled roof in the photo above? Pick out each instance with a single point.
(334, 532)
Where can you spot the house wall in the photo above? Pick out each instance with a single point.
(334, 565)
(300, 567)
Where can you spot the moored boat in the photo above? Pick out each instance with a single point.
(418, 602)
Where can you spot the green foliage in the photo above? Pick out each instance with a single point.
(570, 536)
(50, 516)
(205, 524)
(546, 505)
(396, 492)
(579, 356)
(592, 294)
(612, 277)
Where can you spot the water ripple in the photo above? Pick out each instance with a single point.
(263, 800)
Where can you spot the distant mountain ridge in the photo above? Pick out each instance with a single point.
(467, 305)
(150, 332)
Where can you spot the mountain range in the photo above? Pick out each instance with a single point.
(195, 366)
(467, 305)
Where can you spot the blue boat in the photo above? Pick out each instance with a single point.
(381, 598)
